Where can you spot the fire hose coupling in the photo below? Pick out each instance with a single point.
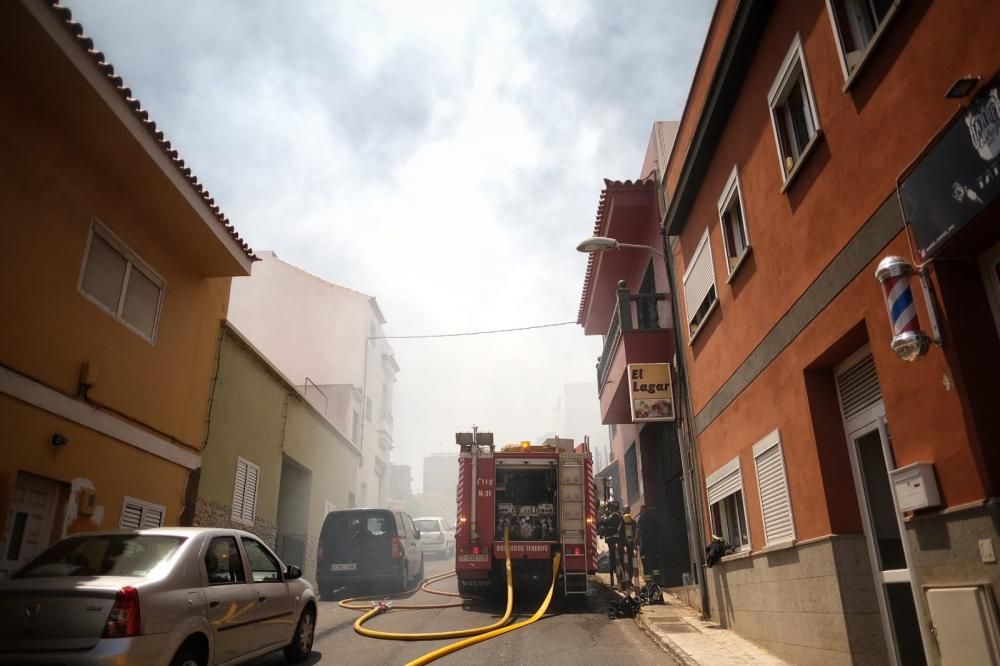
(382, 605)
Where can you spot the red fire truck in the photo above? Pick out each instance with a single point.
(543, 495)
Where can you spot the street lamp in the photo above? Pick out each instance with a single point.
(689, 463)
(603, 244)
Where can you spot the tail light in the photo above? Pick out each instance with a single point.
(397, 552)
(123, 621)
(475, 550)
(319, 552)
(577, 550)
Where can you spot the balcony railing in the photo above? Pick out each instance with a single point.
(646, 318)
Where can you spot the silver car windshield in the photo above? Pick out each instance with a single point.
(103, 555)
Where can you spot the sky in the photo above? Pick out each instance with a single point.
(445, 158)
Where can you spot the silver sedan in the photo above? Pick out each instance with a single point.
(178, 596)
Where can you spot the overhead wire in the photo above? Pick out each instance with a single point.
(459, 335)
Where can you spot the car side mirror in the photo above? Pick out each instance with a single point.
(292, 572)
(416, 534)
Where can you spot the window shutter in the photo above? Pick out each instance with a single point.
(699, 277)
(773, 488)
(137, 514)
(142, 298)
(858, 387)
(131, 516)
(245, 491)
(104, 273)
(724, 482)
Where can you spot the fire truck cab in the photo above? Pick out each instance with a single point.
(543, 495)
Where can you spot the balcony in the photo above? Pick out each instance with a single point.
(634, 336)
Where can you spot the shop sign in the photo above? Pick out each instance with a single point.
(651, 392)
(959, 176)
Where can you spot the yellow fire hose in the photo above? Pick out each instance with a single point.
(477, 634)
(381, 607)
(455, 647)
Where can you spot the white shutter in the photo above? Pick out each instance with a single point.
(699, 278)
(104, 273)
(858, 387)
(772, 485)
(139, 514)
(724, 481)
(142, 300)
(245, 491)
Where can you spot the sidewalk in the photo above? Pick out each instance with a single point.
(678, 628)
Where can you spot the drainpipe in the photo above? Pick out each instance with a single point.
(690, 467)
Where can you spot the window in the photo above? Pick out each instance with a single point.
(632, 484)
(772, 485)
(734, 224)
(725, 500)
(245, 492)
(368, 410)
(120, 283)
(372, 333)
(223, 562)
(356, 427)
(105, 555)
(793, 111)
(352, 501)
(263, 567)
(699, 286)
(856, 27)
(645, 306)
(140, 515)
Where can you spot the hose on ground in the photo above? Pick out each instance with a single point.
(455, 647)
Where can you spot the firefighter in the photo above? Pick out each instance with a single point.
(628, 547)
(611, 529)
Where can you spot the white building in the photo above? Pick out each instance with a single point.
(577, 415)
(325, 338)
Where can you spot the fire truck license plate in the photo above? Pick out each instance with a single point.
(344, 567)
(482, 557)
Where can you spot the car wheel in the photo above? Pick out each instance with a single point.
(302, 641)
(190, 654)
(404, 582)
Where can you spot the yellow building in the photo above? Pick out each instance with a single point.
(114, 281)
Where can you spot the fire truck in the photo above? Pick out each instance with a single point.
(542, 495)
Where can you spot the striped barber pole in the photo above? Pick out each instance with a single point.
(902, 308)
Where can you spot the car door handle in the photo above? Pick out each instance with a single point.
(213, 603)
(262, 598)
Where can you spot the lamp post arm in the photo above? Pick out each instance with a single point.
(652, 249)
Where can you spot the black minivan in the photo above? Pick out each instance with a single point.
(358, 546)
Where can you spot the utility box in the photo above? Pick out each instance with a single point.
(965, 624)
(915, 486)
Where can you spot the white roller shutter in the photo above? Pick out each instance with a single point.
(724, 481)
(699, 278)
(104, 273)
(245, 491)
(772, 485)
(858, 387)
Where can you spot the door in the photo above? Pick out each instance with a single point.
(870, 450)
(414, 553)
(274, 620)
(989, 263)
(231, 600)
(28, 529)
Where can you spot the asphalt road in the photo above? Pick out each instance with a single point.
(580, 634)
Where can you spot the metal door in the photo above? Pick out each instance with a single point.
(28, 529)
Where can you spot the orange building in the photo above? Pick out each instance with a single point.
(114, 281)
(856, 489)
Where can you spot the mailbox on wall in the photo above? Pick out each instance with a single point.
(915, 486)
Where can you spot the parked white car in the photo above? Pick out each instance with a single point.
(188, 596)
(437, 536)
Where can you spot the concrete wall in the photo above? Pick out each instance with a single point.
(810, 604)
(258, 414)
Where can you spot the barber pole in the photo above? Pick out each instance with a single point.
(908, 341)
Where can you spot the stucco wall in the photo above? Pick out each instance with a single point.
(260, 416)
(811, 604)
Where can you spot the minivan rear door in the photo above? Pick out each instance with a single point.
(359, 542)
